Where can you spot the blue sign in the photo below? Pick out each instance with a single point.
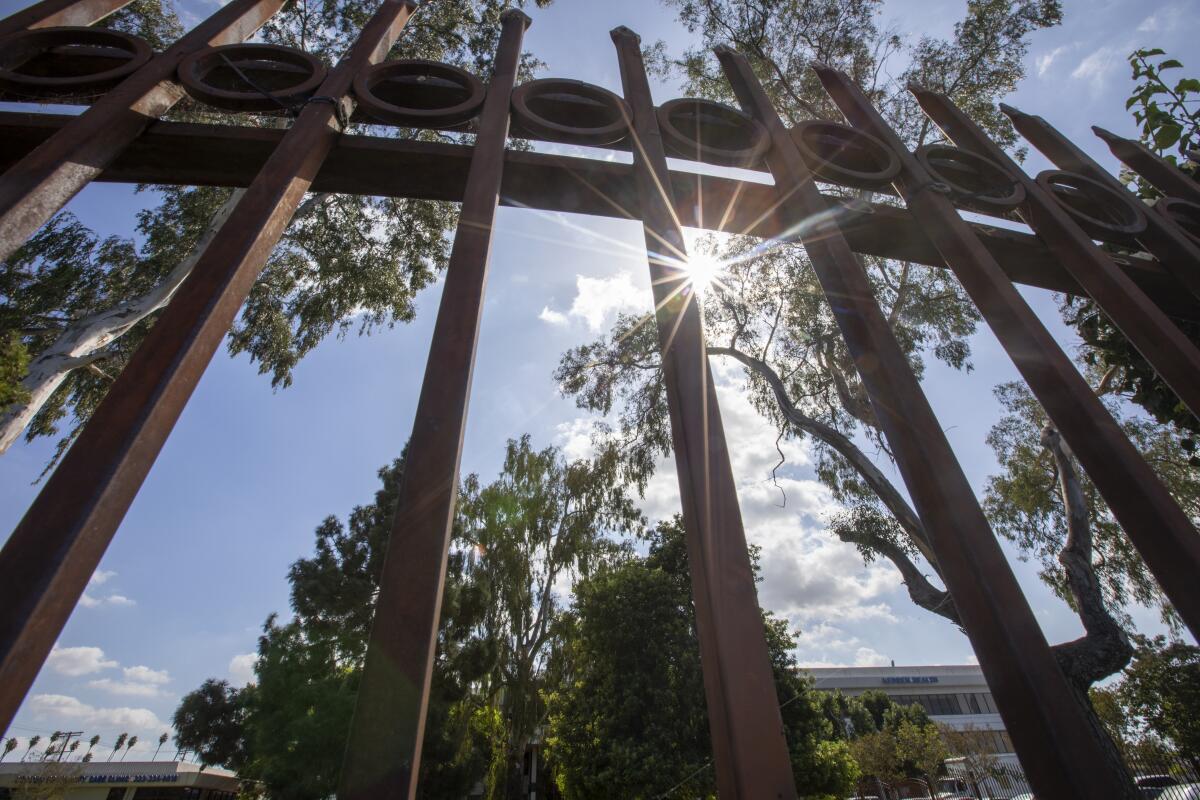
(911, 679)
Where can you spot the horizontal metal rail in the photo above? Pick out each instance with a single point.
(223, 155)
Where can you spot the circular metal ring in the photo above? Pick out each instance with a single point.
(251, 77)
(419, 93)
(1102, 213)
(976, 182)
(1184, 213)
(32, 61)
(573, 112)
(703, 130)
(837, 153)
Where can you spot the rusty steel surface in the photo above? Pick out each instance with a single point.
(1173, 356)
(1160, 530)
(54, 550)
(226, 155)
(52, 13)
(1163, 238)
(23, 46)
(750, 754)
(383, 754)
(1034, 697)
(1158, 172)
(32, 190)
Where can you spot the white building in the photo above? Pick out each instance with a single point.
(956, 696)
(122, 780)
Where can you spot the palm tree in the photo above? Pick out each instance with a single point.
(74, 746)
(32, 744)
(161, 741)
(129, 746)
(86, 758)
(95, 740)
(120, 743)
(11, 745)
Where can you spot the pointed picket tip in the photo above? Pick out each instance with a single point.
(1107, 136)
(917, 88)
(1011, 112)
(621, 32)
(511, 13)
(724, 49)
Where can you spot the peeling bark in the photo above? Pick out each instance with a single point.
(1104, 648)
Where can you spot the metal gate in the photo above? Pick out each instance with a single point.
(47, 159)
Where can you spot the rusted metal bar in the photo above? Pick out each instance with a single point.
(53, 13)
(383, 755)
(54, 550)
(1159, 341)
(1035, 699)
(1160, 173)
(1170, 245)
(749, 750)
(227, 155)
(36, 187)
(1161, 531)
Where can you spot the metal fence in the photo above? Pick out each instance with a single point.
(47, 159)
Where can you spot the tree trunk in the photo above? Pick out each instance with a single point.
(82, 343)
(1104, 649)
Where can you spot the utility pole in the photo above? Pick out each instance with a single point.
(66, 741)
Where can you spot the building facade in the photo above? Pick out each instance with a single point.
(120, 780)
(956, 696)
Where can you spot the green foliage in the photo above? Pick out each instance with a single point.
(1167, 109)
(344, 264)
(542, 522)
(1167, 113)
(631, 720)
(208, 722)
(14, 362)
(1162, 687)
(1025, 506)
(769, 304)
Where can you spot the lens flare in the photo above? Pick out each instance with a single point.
(702, 270)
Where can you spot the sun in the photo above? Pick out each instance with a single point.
(702, 271)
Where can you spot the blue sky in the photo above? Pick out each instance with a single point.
(201, 558)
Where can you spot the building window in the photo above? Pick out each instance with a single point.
(167, 793)
(938, 705)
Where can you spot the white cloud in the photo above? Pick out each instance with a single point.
(241, 668)
(69, 708)
(574, 438)
(553, 317)
(597, 300)
(126, 688)
(1096, 67)
(1045, 60)
(100, 577)
(76, 661)
(146, 675)
(140, 681)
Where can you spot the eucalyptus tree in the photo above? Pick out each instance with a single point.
(518, 543)
(527, 537)
(767, 312)
(77, 303)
